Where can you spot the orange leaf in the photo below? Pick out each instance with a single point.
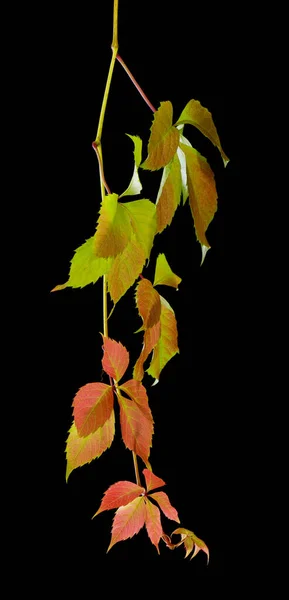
(92, 404)
(128, 521)
(115, 358)
(169, 194)
(202, 191)
(113, 230)
(153, 523)
(163, 140)
(148, 303)
(80, 450)
(151, 337)
(125, 269)
(164, 503)
(120, 494)
(152, 481)
(136, 427)
(137, 392)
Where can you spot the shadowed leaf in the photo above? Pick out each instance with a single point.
(148, 303)
(169, 194)
(137, 392)
(163, 140)
(151, 337)
(125, 269)
(167, 345)
(92, 406)
(136, 427)
(113, 230)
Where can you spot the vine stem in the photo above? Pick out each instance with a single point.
(98, 149)
(136, 84)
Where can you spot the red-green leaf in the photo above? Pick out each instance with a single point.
(92, 404)
(143, 220)
(164, 503)
(125, 269)
(164, 274)
(120, 494)
(151, 337)
(113, 230)
(148, 303)
(153, 524)
(163, 140)
(137, 392)
(128, 521)
(202, 192)
(115, 358)
(80, 450)
(199, 116)
(167, 345)
(197, 542)
(136, 427)
(85, 267)
(152, 481)
(169, 194)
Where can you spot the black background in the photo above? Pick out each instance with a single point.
(176, 53)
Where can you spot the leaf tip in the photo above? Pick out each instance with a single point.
(155, 382)
(57, 288)
(226, 160)
(204, 252)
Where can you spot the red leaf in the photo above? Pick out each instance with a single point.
(151, 338)
(128, 521)
(148, 303)
(92, 404)
(152, 481)
(115, 358)
(119, 494)
(153, 524)
(164, 503)
(137, 392)
(136, 427)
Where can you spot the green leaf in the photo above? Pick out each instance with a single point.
(191, 540)
(167, 345)
(164, 274)
(163, 140)
(202, 192)
(169, 194)
(197, 115)
(85, 267)
(125, 269)
(135, 185)
(143, 221)
(113, 228)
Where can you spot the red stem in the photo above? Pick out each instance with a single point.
(94, 145)
(139, 89)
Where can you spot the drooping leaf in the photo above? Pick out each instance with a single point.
(202, 192)
(143, 221)
(151, 337)
(125, 269)
(115, 358)
(163, 140)
(136, 427)
(148, 303)
(167, 345)
(135, 185)
(199, 116)
(152, 481)
(85, 267)
(164, 503)
(137, 392)
(197, 542)
(80, 450)
(113, 230)
(169, 195)
(92, 406)
(183, 168)
(153, 523)
(128, 521)
(120, 494)
(164, 274)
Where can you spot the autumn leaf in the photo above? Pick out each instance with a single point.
(191, 540)
(153, 523)
(92, 406)
(137, 392)
(169, 194)
(164, 503)
(125, 269)
(142, 214)
(135, 185)
(164, 274)
(152, 481)
(128, 521)
(197, 115)
(136, 426)
(120, 494)
(167, 345)
(82, 450)
(163, 140)
(113, 230)
(85, 267)
(148, 303)
(115, 358)
(151, 337)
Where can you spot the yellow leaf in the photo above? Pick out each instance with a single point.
(164, 274)
(113, 230)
